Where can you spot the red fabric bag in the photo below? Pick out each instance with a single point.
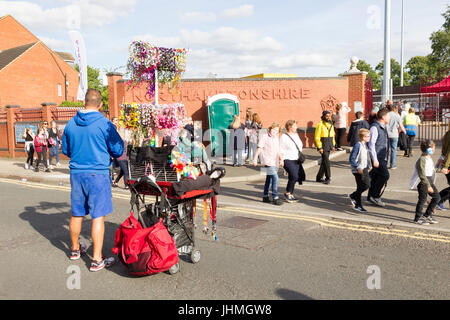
(144, 251)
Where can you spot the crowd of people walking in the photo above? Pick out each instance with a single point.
(374, 152)
(374, 144)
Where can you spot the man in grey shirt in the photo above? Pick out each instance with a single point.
(395, 123)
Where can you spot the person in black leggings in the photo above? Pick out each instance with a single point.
(290, 148)
(28, 135)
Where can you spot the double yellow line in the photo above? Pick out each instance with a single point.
(325, 222)
(341, 225)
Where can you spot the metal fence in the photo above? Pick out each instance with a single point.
(433, 110)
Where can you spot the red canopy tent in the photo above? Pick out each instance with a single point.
(443, 86)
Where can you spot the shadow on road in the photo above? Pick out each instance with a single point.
(51, 220)
(324, 200)
(287, 294)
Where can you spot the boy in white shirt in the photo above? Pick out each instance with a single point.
(424, 171)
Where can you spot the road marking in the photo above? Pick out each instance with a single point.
(406, 190)
(343, 225)
(280, 215)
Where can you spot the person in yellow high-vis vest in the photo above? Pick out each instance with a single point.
(411, 123)
(324, 138)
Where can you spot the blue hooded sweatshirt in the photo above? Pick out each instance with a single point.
(90, 140)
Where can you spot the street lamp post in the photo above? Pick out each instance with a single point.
(387, 51)
(401, 45)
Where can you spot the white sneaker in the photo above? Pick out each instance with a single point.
(377, 201)
(58, 164)
(31, 168)
(26, 166)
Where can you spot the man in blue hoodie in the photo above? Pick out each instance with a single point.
(90, 140)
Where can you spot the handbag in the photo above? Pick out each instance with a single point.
(52, 142)
(301, 156)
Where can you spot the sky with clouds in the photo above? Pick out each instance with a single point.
(235, 38)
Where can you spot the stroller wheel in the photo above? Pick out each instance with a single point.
(195, 256)
(175, 268)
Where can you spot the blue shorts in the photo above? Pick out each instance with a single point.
(90, 194)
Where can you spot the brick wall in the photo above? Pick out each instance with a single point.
(34, 77)
(356, 90)
(276, 100)
(13, 34)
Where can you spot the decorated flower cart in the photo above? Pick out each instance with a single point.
(157, 167)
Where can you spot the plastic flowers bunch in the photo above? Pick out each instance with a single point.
(183, 166)
(142, 63)
(145, 59)
(146, 124)
(129, 116)
(170, 116)
(144, 119)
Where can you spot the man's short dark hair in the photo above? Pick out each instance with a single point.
(93, 98)
(358, 114)
(382, 113)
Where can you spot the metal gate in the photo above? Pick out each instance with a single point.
(434, 108)
(434, 113)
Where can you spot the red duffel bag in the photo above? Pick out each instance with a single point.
(144, 251)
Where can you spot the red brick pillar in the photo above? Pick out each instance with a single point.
(47, 111)
(114, 103)
(356, 91)
(10, 120)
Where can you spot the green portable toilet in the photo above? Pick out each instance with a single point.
(221, 109)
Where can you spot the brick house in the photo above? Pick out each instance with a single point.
(30, 72)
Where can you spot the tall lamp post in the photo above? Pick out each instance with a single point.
(386, 94)
(401, 44)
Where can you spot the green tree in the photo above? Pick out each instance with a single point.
(420, 68)
(440, 45)
(395, 73)
(374, 77)
(94, 82)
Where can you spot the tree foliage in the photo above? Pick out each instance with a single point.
(94, 82)
(440, 45)
(374, 77)
(419, 69)
(395, 73)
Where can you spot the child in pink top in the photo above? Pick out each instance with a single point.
(269, 148)
(40, 145)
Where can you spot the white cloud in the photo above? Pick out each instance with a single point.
(73, 14)
(225, 39)
(303, 60)
(56, 44)
(195, 17)
(243, 11)
(230, 52)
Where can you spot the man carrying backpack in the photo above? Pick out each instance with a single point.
(90, 140)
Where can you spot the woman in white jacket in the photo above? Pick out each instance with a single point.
(290, 147)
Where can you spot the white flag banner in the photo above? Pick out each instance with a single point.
(80, 56)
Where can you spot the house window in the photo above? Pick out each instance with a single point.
(59, 90)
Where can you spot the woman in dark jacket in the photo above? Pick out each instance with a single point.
(237, 141)
(359, 123)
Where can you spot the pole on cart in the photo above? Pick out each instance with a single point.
(156, 101)
(156, 86)
(205, 216)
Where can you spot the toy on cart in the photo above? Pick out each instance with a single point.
(174, 194)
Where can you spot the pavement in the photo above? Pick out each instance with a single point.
(14, 169)
(242, 188)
